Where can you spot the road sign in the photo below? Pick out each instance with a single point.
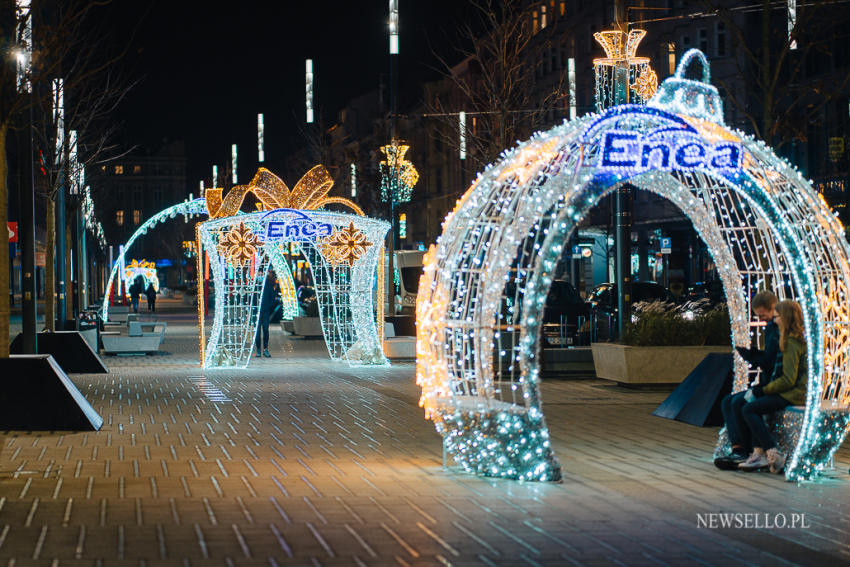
(13, 231)
(666, 245)
(576, 252)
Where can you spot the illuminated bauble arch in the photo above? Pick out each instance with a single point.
(485, 283)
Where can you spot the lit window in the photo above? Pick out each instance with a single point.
(119, 170)
(402, 225)
(671, 58)
(119, 218)
(542, 16)
(137, 216)
(534, 22)
(137, 169)
(563, 8)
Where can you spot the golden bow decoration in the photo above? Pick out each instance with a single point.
(309, 193)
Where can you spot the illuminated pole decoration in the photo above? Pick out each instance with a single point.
(233, 163)
(622, 77)
(571, 81)
(339, 249)
(461, 128)
(620, 55)
(393, 26)
(23, 55)
(261, 140)
(792, 23)
(761, 220)
(398, 175)
(353, 179)
(309, 81)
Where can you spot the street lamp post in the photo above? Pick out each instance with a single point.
(393, 171)
(26, 228)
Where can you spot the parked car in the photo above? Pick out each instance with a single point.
(602, 304)
(712, 291)
(565, 318)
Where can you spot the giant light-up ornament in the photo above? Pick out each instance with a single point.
(339, 248)
(478, 364)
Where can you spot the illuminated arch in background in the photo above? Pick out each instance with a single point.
(194, 207)
(763, 223)
(145, 269)
(343, 253)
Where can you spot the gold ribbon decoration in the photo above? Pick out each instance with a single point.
(309, 193)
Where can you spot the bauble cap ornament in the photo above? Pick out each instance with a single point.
(690, 97)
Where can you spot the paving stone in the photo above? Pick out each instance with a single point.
(298, 460)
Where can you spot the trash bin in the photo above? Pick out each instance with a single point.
(88, 328)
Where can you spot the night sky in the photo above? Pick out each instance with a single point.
(206, 72)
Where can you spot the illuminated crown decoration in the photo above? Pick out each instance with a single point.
(309, 193)
(689, 97)
(621, 51)
(398, 176)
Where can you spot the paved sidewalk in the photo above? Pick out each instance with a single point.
(298, 460)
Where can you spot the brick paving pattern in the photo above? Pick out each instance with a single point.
(298, 460)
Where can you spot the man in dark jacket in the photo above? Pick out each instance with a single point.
(267, 302)
(764, 304)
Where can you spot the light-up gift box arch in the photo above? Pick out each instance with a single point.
(342, 250)
(485, 283)
(141, 268)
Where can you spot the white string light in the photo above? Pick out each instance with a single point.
(481, 302)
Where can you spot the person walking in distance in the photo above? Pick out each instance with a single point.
(266, 305)
(151, 295)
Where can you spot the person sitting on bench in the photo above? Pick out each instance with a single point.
(787, 388)
(764, 306)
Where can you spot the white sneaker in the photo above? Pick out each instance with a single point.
(758, 460)
(776, 460)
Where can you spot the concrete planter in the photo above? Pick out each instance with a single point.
(648, 365)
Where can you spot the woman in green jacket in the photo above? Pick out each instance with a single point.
(787, 388)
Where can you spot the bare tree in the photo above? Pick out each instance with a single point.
(67, 42)
(86, 114)
(787, 90)
(500, 50)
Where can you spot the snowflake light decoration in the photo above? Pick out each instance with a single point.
(646, 84)
(347, 245)
(239, 245)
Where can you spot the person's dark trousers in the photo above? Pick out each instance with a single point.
(736, 429)
(263, 330)
(153, 306)
(753, 412)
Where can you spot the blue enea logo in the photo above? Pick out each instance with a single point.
(298, 229)
(673, 146)
(632, 151)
